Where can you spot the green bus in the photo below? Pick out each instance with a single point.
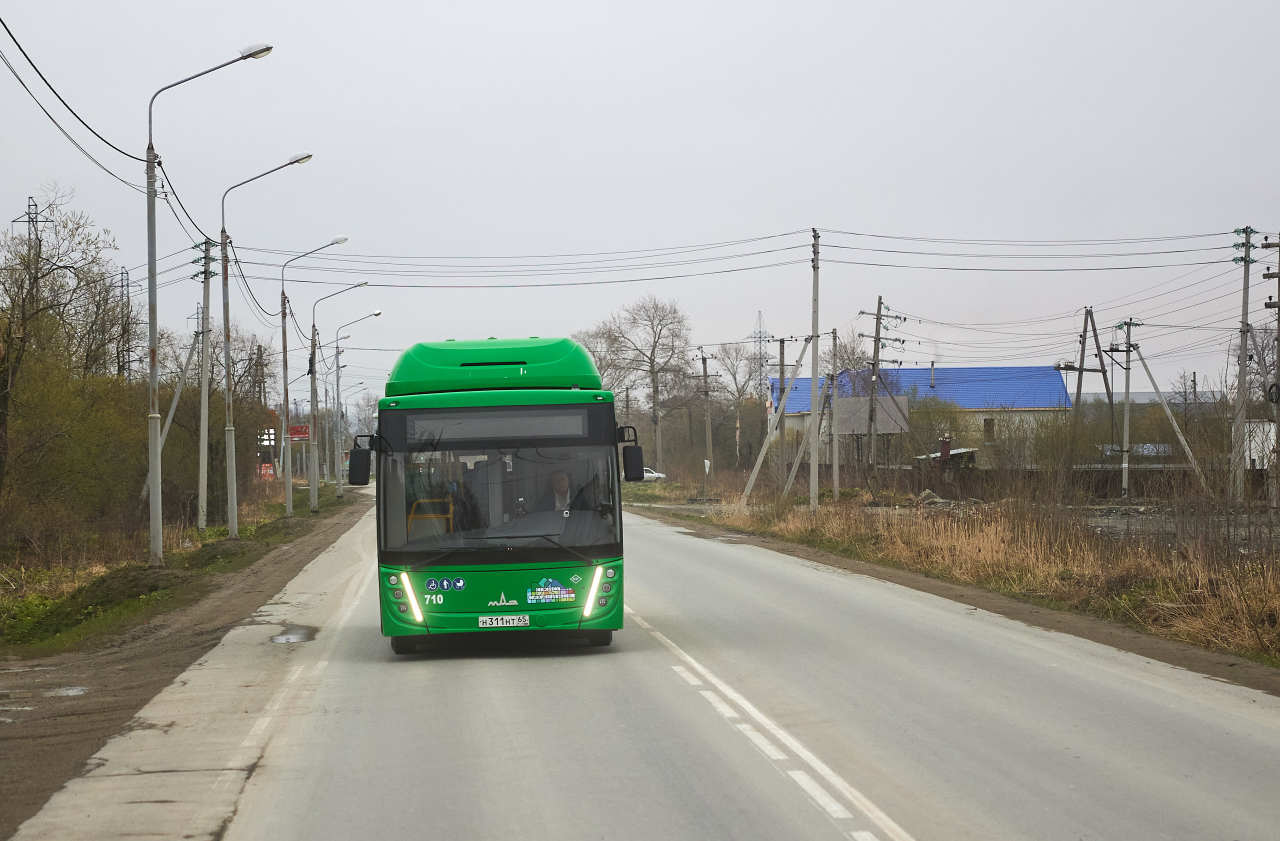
(498, 501)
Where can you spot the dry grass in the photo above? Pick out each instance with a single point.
(82, 555)
(1202, 592)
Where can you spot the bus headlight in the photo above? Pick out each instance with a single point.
(606, 587)
(610, 573)
(413, 599)
(591, 594)
(397, 594)
(393, 580)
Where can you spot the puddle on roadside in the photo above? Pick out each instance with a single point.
(66, 692)
(296, 633)
(27, 669)
(15, 709)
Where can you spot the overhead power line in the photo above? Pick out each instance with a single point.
(655, 252)
(65, 104)
(99, 164)
(546, 285)
(174, 191)
(1038, 242)
(525, 271)
(997, 256)
(1024, 268)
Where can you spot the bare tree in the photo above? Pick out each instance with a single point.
(52, 280)
(611, 360)
(652, 336)
(737, 361)
(850, 352)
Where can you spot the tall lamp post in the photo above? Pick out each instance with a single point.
(233, 525)
(313, 466)
(337, 387)
(286, 457)
(153, 381)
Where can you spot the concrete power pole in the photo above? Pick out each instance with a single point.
(286, 452)
(815, 415)
(1273, 388)
(233, 512)
(1238, 448)
(1124, 446)
(782, 421)
(706, 396)
(875, 387)
(835, 437)
(202, 491)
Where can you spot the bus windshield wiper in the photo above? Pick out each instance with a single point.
(560, 545)
(546, 537)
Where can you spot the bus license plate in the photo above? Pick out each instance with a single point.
(521, 621)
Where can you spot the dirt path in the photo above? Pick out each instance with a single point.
(1212, 663)
(56, 712)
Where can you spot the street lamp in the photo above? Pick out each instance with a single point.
(286, 456)
(153, 381)
(337, 388)
(313, 466)
(233, 525)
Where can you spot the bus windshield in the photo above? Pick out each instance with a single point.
(480, 487)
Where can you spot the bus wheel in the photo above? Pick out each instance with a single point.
(404, 645)
(600, 637)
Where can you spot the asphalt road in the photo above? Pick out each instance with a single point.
(752, 695)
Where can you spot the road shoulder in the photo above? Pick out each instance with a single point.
(1214, 664)
(66, 707)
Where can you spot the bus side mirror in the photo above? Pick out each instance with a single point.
(633, 463)
(359, 471)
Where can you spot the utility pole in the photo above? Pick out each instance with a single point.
(875, 388)
(835, 437)
(1273, 388)
(126, 323)
(1124, 446)
(782, 421)
(206, 360)
(1089, 327)
(233, 511)
(313, 461)
(336, 430)
(815, 415)
(262, 378)
(706, 395)
(286, 453)
(1242, 374)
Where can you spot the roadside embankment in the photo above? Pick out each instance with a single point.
(130, 643)
(1194, 591)
(62, 605)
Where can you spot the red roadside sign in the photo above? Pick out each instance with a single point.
(301, 432)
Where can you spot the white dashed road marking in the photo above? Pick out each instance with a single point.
(696, 673)
(819, 794)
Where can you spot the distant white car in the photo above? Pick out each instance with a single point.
(651, 475)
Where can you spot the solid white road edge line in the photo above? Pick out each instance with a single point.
(860, 800)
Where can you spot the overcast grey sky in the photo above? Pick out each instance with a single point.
(468, 129)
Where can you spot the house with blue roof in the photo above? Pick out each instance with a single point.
(995, 395)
